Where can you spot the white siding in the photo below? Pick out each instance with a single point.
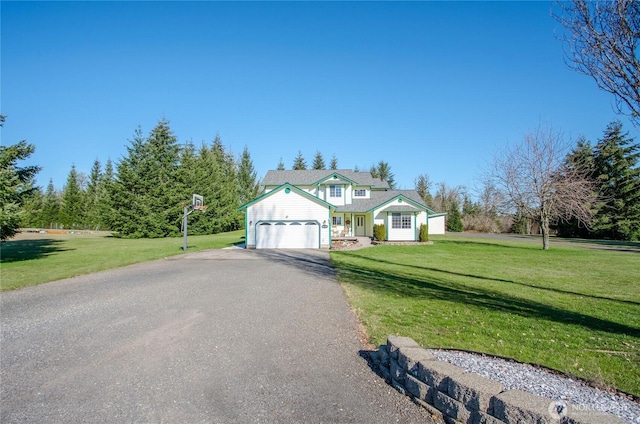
(437, 225)
(282, 206)
(367, 192)
(337, 201)
(401, 234)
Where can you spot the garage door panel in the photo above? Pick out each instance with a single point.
(288, 235)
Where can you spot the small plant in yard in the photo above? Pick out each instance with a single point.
(379, 232)
(424, 233)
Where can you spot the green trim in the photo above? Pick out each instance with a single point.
(435, 215)
(320, 181)
(405, 199)
(292, 188)
(246, 231)
(328, 230)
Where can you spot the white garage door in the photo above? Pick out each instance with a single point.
(288, 235)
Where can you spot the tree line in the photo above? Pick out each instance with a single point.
(541, 184)
(144, 193)
(545, 184)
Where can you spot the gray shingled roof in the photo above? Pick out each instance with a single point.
(308, 177)
(378, 197)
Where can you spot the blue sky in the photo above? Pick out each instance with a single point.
(429, 87)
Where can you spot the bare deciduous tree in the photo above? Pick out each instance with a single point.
(602, 42)
(446, 196)
(538, 184)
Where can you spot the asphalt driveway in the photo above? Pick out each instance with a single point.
(227, 336)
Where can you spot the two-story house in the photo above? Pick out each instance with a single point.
(308, 209)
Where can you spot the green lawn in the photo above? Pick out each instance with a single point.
(41, 258)
(570, 308)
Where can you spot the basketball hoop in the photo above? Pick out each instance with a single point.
(197, 204)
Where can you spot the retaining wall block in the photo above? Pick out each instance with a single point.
(408, 358)
(478, 417)
(451, 407)
(580, 415)
(385, 372)
(436, 373)
(384, 355)
(432, 410)
(397, 372)
(473, 390)
(396, 342)
(418, 389)
(516, 406)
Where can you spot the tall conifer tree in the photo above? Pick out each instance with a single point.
(299, 164)
(318, 161)
(71, 211)
(147, 193)
(615, 165)
(247, 178)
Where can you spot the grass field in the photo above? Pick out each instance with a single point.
(38, 258)
(573, 309)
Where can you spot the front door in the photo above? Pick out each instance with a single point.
(359, 227)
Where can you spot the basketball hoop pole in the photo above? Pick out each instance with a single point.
(197, 204)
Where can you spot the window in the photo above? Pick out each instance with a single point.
(337, 220)
(359, 193)
(400, 220)
(335, 191)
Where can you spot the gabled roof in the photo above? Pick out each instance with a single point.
(292, 188)
(380, 198)
(312, 177)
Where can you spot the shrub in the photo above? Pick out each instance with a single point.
(379, 232)
(424, 233)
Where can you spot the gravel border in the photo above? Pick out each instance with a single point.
(515, 375)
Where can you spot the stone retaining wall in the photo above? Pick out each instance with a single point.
(455, 396)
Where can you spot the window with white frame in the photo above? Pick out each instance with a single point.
(337, 220)
(335, 191)
(400, 220)
(360, 192)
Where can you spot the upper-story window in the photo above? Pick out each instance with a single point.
(335, 191)
(359, 193)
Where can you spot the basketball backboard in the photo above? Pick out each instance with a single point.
(197, 200)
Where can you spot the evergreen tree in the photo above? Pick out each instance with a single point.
(32, 209)
(92, 196)
(104, 201)
(615, 165)
(318, 161)
(146, 193)
(50, 207)
(581, 159)
(469, 207)
(383, 171)
(280, 165)
(423, 187)
(221, 192)
(71, 211)
(334, 162)
(226, 216)
(299, 164)
(247, 178)
(454, 219)
(131, 211)
(16, 184)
